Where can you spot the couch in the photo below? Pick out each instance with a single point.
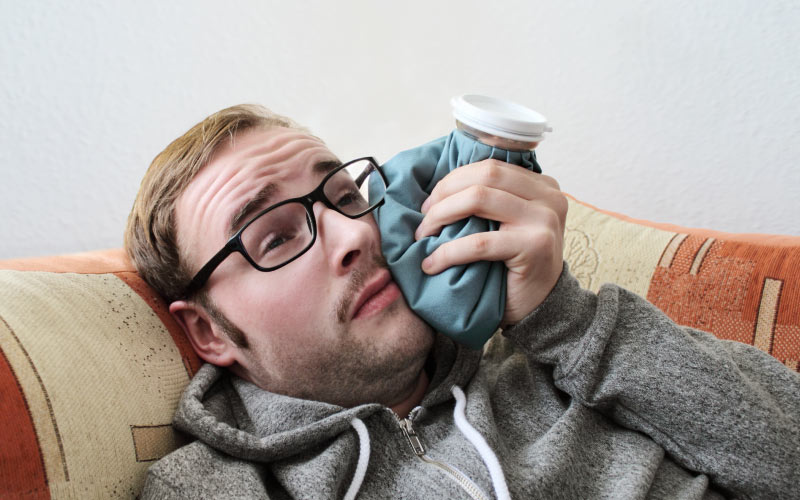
(92, 365)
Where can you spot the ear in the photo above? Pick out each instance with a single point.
(208, 341)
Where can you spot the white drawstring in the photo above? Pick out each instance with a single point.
(474, 437)
(363, 459)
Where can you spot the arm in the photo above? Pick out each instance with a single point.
(721, 408)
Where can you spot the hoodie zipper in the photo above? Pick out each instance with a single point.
(416, 445)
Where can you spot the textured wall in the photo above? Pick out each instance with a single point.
(682, 111)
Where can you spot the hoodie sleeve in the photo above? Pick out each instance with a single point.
(721, 408)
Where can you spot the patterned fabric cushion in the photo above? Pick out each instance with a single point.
(92, 365)
(91, 369)
(743, 287)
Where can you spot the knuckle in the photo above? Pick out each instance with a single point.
(555, 202)
(479, 195)
(552, 219)
(551, 181)
(560, 206)
(543, 244)
(480, 244)
(491, 173)
(491, 163)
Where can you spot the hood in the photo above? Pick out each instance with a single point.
(239, 419)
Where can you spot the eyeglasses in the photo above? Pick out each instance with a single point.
(283, 232)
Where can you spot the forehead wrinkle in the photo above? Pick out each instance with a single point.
(278, 149)
(218, 183)
(264, 160)
(264, 156)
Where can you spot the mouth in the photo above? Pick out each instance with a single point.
(378, 294)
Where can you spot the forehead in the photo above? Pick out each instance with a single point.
(237, 172)
(275, 151)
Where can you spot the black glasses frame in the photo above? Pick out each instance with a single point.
(235, 244)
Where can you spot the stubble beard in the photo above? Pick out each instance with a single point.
(379, 367)
(358, 367)
(382, 367)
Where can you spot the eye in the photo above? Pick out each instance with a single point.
(351, 197)
(275, 240)
(346, 199)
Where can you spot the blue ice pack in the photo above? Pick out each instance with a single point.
(464, 302)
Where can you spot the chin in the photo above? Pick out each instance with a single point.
(416, 337)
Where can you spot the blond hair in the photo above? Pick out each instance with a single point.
(150, 236)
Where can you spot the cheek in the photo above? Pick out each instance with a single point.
(282, 303)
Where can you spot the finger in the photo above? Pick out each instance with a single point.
(489, 246)
(550, 181)
(519, 249)
(482, 201)
(492, 173)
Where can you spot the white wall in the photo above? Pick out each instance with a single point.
(682, 111)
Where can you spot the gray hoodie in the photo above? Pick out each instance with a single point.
(590, 396)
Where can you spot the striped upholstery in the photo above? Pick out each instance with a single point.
(92, 365)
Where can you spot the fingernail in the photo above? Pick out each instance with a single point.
(427, 262)
(425, 205)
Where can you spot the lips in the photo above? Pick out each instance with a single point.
(376, 295)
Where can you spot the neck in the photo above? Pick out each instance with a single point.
(406, 405)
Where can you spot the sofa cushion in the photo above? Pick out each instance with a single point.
(743, 287)
(91, 369)
(92, 365)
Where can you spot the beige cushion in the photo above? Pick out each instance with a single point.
(91, 371)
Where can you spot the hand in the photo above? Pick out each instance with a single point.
(531, 211)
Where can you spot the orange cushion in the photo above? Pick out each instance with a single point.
(743, 287)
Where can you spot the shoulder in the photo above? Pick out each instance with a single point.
(503, 359)
(199, 471)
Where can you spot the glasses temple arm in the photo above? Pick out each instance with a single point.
(203, 274)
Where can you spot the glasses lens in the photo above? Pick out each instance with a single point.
(277, 236)
(346, 189)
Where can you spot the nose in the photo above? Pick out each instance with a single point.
(345, 240)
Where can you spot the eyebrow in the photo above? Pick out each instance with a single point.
(323, 167)
(267, 193)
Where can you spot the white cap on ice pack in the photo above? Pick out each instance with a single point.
(499, 117)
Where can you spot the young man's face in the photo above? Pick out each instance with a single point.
(331, 325)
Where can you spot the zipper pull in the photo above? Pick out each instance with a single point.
(411, 435)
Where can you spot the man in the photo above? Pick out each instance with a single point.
(322, 383)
